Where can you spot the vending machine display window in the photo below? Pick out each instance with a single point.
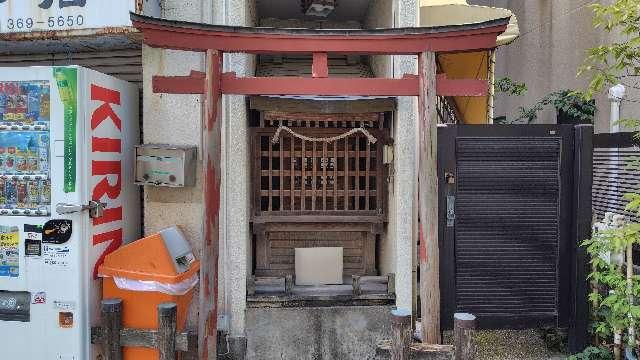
(25, 187)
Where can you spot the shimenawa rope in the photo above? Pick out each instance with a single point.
(276, 136)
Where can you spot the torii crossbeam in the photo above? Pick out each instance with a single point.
(424, 42)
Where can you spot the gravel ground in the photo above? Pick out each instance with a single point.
(511, 345)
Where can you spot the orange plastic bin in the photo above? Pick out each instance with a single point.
(145, 273)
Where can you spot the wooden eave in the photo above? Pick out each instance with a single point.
(190, 36)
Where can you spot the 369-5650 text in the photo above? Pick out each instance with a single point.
(53, 22)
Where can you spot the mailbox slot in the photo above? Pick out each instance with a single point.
(165, 165)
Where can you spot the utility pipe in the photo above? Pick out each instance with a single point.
(492, 86)
(616, 94)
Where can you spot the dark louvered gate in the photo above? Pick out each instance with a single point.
(509, 201)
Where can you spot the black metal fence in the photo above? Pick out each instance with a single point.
(613, 172)
(515, 202)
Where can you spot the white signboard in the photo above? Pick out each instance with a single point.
(57, 15)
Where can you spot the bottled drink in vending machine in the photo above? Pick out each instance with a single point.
(10, 193)
(21, 103)
(43, 153)
(10, 163)
(2, 198)
(45, 192)
(3, 158)
(44, 104)
(33, 103)
(10, 110)
(32, 155)
(21, 160)
(22, 194)
(33, 193)
(3, 105)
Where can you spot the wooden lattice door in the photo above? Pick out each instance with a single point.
(318, 169)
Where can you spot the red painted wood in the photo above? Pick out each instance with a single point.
(320, 67)
(169, 37)
(318, 86)
(407, 86)
(212, 179)
(461, 87)
(193, 83)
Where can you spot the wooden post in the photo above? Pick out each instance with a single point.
(251, 285)
(400, 334)
(464, 328)
(288, 284)
(111, 325)
(167, 313)
(428, 201)
(356, 285)
(211, 167)
(391, 283)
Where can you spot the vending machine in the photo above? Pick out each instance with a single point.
(67, 199)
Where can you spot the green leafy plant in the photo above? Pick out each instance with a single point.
(569, 103)
(615, 62)
(618, 61)
(593, 353)
(512, 88)
(615, 311)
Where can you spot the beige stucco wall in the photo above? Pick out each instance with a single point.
(546, 56)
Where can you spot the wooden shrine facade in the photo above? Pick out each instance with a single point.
(213, 83)
(318, 181)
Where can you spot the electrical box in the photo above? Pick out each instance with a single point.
(165, 165)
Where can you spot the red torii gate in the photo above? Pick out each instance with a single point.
(424, 42)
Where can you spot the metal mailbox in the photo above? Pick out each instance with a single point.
(165, 165)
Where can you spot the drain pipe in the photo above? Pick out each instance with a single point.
(616, 94)
(492, 86)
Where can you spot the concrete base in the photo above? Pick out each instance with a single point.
(231, 348)
(347, 332)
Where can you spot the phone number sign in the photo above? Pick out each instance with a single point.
(56, 15)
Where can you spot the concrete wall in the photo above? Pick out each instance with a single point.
(553, 42)
(344, 333)
(397, 248)
(174, 119)
(177, 119)
(235, 232)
